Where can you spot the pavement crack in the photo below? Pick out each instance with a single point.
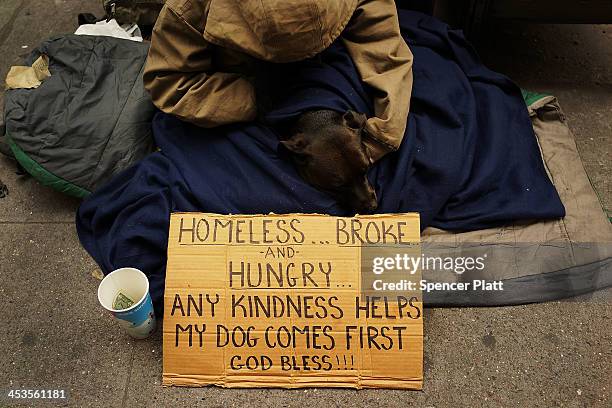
(8, 27)
(129, 376)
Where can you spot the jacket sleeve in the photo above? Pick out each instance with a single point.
(384, 62)
(180, 76)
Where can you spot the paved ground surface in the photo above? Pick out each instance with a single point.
(54, 335)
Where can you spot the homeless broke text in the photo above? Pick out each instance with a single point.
(282, 231)
(279, 270)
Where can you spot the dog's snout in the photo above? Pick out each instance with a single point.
(369, 203)
(372, 206)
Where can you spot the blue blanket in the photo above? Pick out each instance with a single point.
(469, 158)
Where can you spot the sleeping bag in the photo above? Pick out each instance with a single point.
(86, 122)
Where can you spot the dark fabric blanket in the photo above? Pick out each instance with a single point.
(469, 158)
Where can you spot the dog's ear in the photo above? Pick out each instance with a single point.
(354, 120)
(297, 144)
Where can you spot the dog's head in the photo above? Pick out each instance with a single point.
(328, 152)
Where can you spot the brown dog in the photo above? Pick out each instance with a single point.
(327, 150)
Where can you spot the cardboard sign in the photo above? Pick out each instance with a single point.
(277, 301)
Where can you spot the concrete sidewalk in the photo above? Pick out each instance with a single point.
(55, 335)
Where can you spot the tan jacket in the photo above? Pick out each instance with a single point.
(194, 41)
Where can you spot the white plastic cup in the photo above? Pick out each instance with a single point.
(138, 320)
